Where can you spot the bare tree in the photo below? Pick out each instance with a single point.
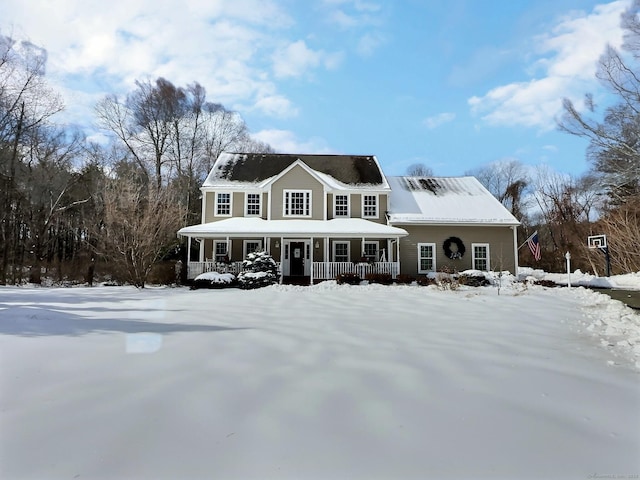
(419, 170)
(139, 226)
(509, 182)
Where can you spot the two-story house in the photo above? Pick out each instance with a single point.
(316, 214)
(322, 215)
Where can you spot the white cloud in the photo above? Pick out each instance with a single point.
(276, 106)
(368, 43)
(439, 119)
(286, 141)
(296, 59)
(572, 50)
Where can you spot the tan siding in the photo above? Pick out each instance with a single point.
(500, 240)
(356, 205)
(237, 204)
(297, 179)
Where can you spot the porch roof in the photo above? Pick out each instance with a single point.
(258, 227)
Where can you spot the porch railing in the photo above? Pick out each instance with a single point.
(330, 270)
(321, 270)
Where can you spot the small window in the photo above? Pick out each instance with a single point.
(481, 256)
(341, 251)
(370, 251)
(426, 257)
(254, 207)
(251, 246)
(223, 204)
(297, 203)
(341, 206)
(370, 206)
(220, 250)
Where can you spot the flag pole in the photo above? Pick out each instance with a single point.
(530, 237)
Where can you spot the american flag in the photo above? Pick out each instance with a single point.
(534, 246)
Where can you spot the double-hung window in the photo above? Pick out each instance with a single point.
(341, 251)
(341, 206)
(253, 205)
(220, 248)
(223, 204)
(370, 206)
(370, 251)
(251, 246)
(480, 256)
(297, 203)
(426, 257)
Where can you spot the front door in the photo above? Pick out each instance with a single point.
(296, 250)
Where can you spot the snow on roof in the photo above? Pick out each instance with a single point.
(444, 200)
(255, 170)
(251, 226)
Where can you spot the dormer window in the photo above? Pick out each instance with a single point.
(297, 203)
(223, 204)
(370, 206)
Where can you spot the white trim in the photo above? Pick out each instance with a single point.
(215, 206)
(308, 199)
(246, 204)
(306, 255)
(515, 248)
(335, 215)
(377, 197)
(433, 257)
(333, 250)
(244, 246)
(473, 256)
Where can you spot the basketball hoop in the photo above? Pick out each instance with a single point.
(597, 241)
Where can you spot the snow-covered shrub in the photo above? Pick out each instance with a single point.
(381, 278)
(473, 279)
(259, 269)
(405, 279)
(349, 278)
(213, 280)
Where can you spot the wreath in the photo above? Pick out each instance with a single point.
(460, 248)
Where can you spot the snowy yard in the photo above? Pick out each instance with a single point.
(323, 382)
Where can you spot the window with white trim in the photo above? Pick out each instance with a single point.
(370, 251)
(220, 250)
(253, 204)
(480, 256)
(370, 206)
(426, 257)
(341, 205)
(341, 251)
(223, 204)
(251, 246)
(297, 203)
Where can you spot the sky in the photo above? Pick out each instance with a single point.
(454, 85)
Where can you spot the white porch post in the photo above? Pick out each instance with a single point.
(281, 259)
(201, 252)
(311, 247)
(398, 252)
(515, 249)
(228, 250)
(266, 246)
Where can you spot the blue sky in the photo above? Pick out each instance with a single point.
(454, 84)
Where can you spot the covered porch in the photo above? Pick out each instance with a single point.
(306, 251)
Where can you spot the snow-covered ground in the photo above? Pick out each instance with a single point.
(318, 382)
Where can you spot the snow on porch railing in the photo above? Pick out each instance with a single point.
(330, 270)
(196, 268)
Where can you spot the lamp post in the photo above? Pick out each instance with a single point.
(568, 257)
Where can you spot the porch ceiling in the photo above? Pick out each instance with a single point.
(257, 227)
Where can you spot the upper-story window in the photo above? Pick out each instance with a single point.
(341, 206)
(297, 203)
(370, 206)
(223, 204)
(253, 204)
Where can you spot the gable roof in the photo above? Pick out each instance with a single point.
(256, 169)
(444, 200)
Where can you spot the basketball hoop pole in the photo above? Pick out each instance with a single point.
(600, 242)
(605, 250)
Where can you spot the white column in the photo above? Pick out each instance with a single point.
(515, 249)
(398, 252)
(281, 259)
(312, 248)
